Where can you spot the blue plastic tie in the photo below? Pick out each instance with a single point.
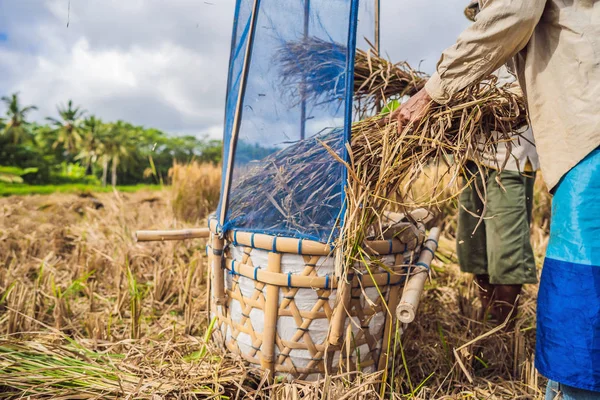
(391, 247)
(300, 246)
(389, 278)
(422, 264)
(274, 244)
(233, 267)
(235, 242)
(432, 240)
(252, 241)
(223, 229)
(289, 279)
(429, 250)
(256, 273)
(327, 281)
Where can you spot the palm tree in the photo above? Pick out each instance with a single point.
(14, 126)
(91, 146)
(68, 127)
(117, 147)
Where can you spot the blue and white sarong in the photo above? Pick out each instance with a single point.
(568, 314)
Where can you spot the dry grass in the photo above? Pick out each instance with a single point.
(314, 69)
(85, 311)
(196, 188)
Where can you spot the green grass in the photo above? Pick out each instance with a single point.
(24, 189)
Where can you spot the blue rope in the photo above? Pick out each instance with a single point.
(235, 242)
(389, 278)
(327, 281)
(429, 250)
(391, 251)
(432, 240)
(422, 264)
(252, 241)
(300, 246)
(274, 244)
(289, 279)
(222, 230)
(233, 267)
(256, 273)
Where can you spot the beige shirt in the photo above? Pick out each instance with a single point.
(518, 152)
(557, 49)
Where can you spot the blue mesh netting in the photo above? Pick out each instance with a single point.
(284, 180)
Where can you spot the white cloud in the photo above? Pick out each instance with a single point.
(163, 63)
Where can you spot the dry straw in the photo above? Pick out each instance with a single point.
(314, 70)
(383, 163)
(87, 257)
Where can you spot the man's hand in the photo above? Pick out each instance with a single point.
(413, 110)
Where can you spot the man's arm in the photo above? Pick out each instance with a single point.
(502, 29)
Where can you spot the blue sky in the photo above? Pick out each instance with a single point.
(163, 63)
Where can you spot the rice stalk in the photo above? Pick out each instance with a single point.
(166, 354)
(314, 70)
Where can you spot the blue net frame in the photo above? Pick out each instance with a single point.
(288, 115)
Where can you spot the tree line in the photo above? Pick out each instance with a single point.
(76, 146)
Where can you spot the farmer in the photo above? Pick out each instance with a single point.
(497, 249)
(556, 45)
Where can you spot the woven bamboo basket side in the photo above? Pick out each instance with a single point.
(276, 309)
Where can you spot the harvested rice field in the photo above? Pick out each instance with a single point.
(86, 312)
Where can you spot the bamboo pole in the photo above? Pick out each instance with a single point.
(411, 294)
(377, 26)
(237, 121)
(405, 241)
(338, 319)
(303, 88)
(271, 314)
(218, 278)
(160, 236)
(314, 282)
(390, 322)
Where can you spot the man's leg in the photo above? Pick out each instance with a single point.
(486, 292)
(510, 256)
(470, 242)
(568, 311)
(557, 391)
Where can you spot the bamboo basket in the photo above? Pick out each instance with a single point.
(278, 303)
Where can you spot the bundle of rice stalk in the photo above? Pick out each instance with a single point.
(314, 70)
(297, 188)
(34, 369)
(301, 182)
(386, 162)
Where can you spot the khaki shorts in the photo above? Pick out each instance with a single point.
(500, 246)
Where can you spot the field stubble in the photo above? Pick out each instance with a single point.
(85, 310)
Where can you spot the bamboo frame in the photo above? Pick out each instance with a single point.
(404, 241)
(218, 279)
(322, 353)
(159, 236)
(411, 295)
(310, 282)
(238, 113)
(274, 296)
(271, 314)
(377, 26)
(338, 320)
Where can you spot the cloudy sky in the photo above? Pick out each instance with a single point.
(163, 63)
